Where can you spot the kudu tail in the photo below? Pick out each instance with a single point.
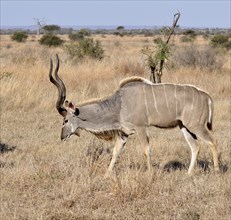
(210, 114)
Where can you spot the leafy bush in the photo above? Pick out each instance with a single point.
(189, 36)
(227, 45)
(190, 33)
(221, 41)
(158, 40)
(192, 56)
(85, 32)
(79, 35)
(76, 37)
(50, 40)
(19, 36)
(86, 47)
(51, 28)
(155, 57)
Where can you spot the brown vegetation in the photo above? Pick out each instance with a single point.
(44, 178)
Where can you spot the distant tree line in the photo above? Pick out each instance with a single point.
(122, 31)
(221, 37)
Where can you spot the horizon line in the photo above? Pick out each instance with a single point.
(107, 26)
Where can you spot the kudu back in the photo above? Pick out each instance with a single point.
(136, 105)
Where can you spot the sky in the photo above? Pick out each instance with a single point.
(194, 13)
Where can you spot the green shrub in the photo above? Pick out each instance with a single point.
(158, 40)
(86, 47)
(79, 35)
(85, 32)
(51, 28)
(221, 41)
(157, 56)
(19, 36)
(227, 45)
(50, 40)
(76, 37)
(190, 33)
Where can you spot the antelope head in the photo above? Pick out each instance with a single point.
(69, 112)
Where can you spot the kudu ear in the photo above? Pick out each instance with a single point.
(70, 106)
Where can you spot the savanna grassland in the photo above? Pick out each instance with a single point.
(44, 178)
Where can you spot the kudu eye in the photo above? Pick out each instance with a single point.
(66, 121)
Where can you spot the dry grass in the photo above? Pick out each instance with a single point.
(43, 178)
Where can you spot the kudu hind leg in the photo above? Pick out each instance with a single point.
(192, 142)
(144, 142)
(206, 137)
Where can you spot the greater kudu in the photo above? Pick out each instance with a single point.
(136, 105)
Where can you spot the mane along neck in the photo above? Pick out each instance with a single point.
(134, 79)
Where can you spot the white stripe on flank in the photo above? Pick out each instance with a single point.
(184, 104)
(210, 110)
(192, 100)
(146, 103)
(184, 95)
(199, 100)
(154, 98)
(166, 100)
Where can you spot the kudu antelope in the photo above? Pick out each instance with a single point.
(136, 105)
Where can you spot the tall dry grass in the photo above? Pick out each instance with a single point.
(43, 178)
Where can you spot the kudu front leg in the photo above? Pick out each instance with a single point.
(121, 140)
(144, 142)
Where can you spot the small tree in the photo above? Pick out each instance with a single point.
(120, 30)
(157, 57)
(40, 24)
(51, 28)
(19, 36)
(50, 39)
